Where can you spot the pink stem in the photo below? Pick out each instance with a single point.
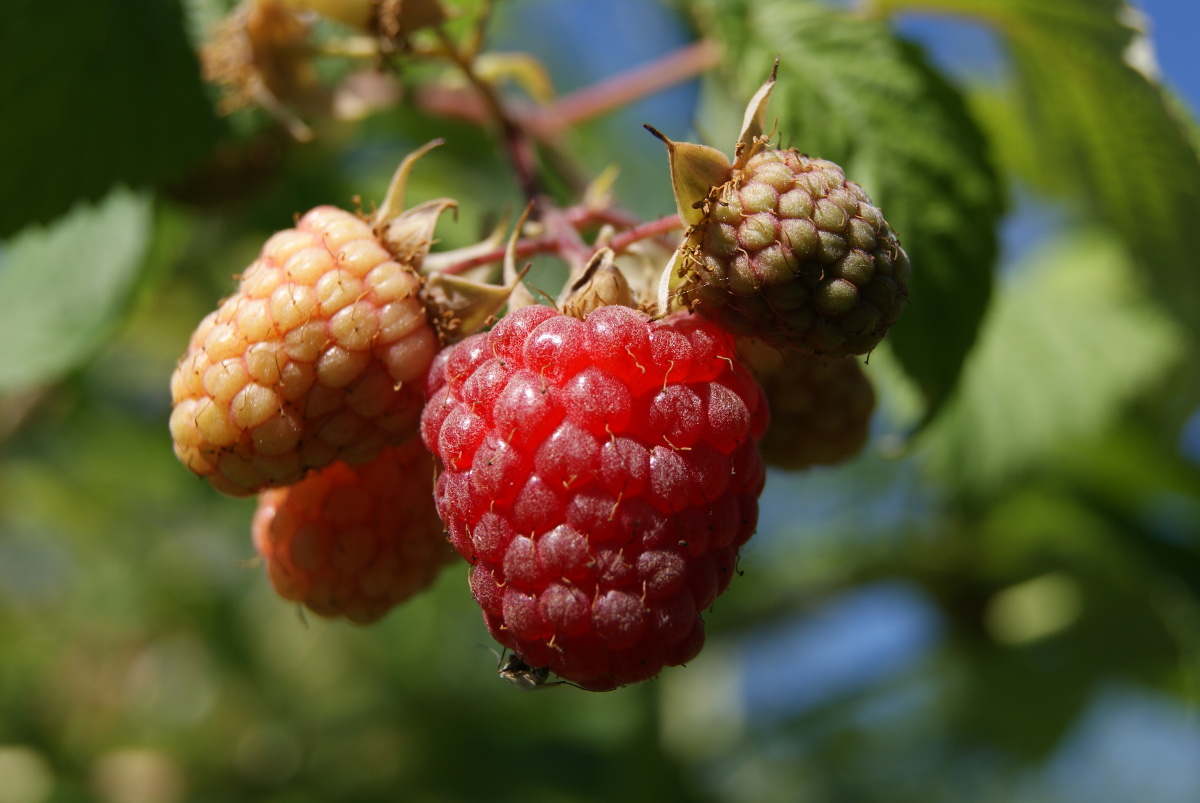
(645, 231)
(564, 245)
(611, 93)
(631, 85)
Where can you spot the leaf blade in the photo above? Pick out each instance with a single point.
(1068, 343)
(64, 286)
(1104, 127)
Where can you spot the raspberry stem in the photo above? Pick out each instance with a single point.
(579, 218)
(629, 86)
(517, 142)
(645, 231)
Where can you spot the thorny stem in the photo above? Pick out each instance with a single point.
(568, 246)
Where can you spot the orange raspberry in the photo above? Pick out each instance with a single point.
(354, 541)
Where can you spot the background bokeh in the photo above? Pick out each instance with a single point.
(997, 602)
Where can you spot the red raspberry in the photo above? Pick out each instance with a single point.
(601, 475)
(354, 541)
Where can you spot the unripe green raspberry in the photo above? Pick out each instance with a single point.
(820, 406)
(791, 252)
(320, 355)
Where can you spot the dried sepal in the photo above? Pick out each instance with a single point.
(393, 203)
(260, 55)
(458, 307)
(396, 20)
(753, 122)
(641, 263)
(520, 295)
(602, 284)
(410, 236)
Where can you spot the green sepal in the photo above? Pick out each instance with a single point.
(695, 170)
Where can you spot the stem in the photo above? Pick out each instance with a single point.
(517, 143)
(631, 85)
(547, 124)
(645, 231)
(549, 244)
(524, 248)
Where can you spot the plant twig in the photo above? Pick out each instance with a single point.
(645, 231)
(517, 142)
(629, 86)
(569, 246)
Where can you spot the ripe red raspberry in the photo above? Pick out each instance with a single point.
(820, 406)
(320, 355)
(601, 475)
(354, 541)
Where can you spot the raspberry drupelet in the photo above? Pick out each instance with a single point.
(600, 474)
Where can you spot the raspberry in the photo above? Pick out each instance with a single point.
(320, 355)
(780, 246)
(600, 475)
(820, 407)
(791, 252)
(354, 541)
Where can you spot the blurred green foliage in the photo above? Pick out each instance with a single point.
(1025, 475)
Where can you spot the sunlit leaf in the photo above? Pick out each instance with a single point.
(1066, 345)
(94, 94)
(850, 91)
(1104, 126)
(63, 286)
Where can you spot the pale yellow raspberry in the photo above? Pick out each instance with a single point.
(320, 355)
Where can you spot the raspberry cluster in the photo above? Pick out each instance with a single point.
(600, 475)
(820, 406)
(598, 467)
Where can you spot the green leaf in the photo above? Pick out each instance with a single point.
(63, 287)
(1104, 127)
(94, 94)
(850, 91)
(1067, 344)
